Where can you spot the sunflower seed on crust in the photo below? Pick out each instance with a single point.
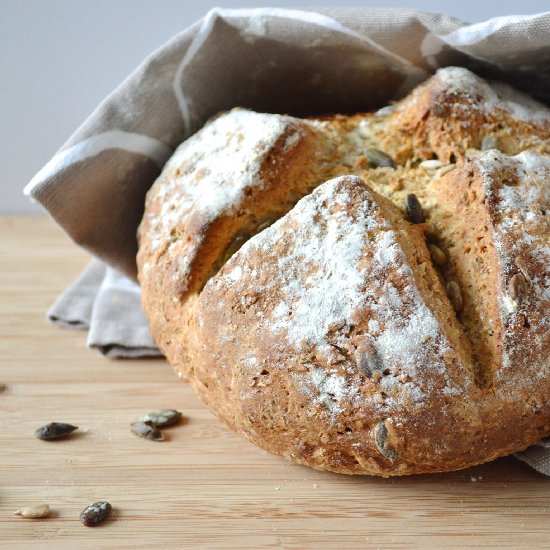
(455, 295)
(379, 159)
(381, 440)
(437, 255)
(517, 287)
(367, 359)
(432, 164)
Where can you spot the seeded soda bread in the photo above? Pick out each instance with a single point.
(367, 294)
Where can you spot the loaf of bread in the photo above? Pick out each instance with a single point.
(366, 294)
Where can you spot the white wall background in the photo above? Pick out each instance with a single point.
(59, 58)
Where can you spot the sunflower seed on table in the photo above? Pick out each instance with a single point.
(489, 142)
(162, 418)
(3, 387)
(95, 513)
(413, 208)
(379, 159)
(146, 431)
(455, 295)
(34, 512)
(54, 430)
(437, 255)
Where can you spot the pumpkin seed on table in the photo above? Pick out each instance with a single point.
(413, 209)
(379, 159)
(34, 512)
(162, 418)
(146, 431)
(95, 513)
(55, 430)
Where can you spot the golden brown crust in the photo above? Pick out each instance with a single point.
(502, 261)
(328, 337)
(287, 315)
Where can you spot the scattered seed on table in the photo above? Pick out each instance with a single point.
(413, 209)
(146, 431)
(95, 513)
(34, 512)
(54, 430)
(162, 418)
(3, 387)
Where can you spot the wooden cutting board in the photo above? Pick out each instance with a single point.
(205, 487)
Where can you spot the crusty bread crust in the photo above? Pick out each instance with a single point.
(331, 336)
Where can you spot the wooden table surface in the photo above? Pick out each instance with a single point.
(205, 487)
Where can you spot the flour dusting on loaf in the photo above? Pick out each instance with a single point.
(345, 258)
(518, 188)
(331, 247)
(211, 182)
(490, 95)
(214, 181)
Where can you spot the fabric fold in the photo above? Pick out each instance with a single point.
(73, 308)
(107, 304)
(118, 327)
